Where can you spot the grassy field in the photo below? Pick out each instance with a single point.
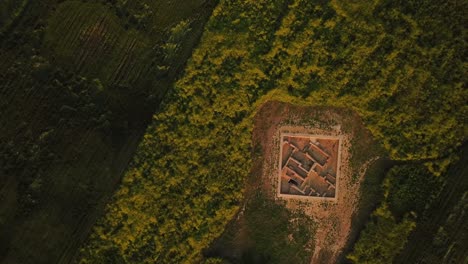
(89, 38)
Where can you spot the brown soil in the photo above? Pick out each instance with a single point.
(333, 218)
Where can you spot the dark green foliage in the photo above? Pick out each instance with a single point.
(10, 11)
(385, 235)
(382, 238)
(411, 188)
(407, 191)
(441, 234)
(276, 234)
(371, 196)
(89, 39)
(76, 93)
(152, 16)
(74, 103)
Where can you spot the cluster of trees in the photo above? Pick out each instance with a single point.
(388, 60)
(407, 190)
(382, 239)
(411, 188)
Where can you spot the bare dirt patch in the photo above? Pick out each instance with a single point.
(333, 217)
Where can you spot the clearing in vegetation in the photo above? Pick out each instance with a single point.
(350, 149)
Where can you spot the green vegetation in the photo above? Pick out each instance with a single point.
(411, 187)
(89, 75)
(396, 63)
(371, 196)
(265, 232)
(10, 11)
(414, 197)
(152, 16)
(441, 233)
(97, 45)
(382, 238)
(406, 191)
(78, 87)
(278, 235)
(195, 153)
(89, 38)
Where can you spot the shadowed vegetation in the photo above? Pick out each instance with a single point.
(78, 85)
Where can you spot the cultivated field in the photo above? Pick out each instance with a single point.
(79, 83)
